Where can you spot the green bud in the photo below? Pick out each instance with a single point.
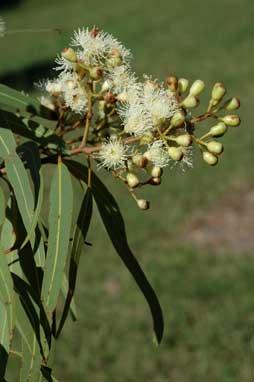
(183, 84)
(155, 181)
(114, 58)
(172, 83)
(184, 140)
(143, 204)
(190, 101)
(231, 120)
(218, 91)
(96, 72)
(139, 160)
(209, 158)
(132, 180)
(215, 147)
(218, 130)
(155, 172)
(69, 54)
(146, 139)
(176, 153)
(197, 87)
(178, 118)
(232, 104)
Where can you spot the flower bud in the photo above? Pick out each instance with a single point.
(178, 118)
(209, 158)
(218, 130)
(155, 172)
(183, 84)
(218, 91)
(197, 87)
(110, 98)
(114, 58)
(139, 160)
(190, 101)
(132, 180)
(172, 83)
(96, 73)
(232, 104)
(146, 139)
(69, 54)
(143, 204)
(231, 120)
(155, 181)
(184, 140)
(106, 86)
(176, 153)
(215, 147)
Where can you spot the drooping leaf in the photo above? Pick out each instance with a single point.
(2, 206)
(78, 244)
(4, 341)
(114, 224)
(64, 289)
(19, 180)
(47, 374)
(60, 215)
(31, 363)
(7, 292)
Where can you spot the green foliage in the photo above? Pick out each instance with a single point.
(37, 251)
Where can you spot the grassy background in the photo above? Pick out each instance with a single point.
(207, 296)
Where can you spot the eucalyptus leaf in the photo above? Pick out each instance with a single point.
(60, 218)
(114, 224)
(78, 245)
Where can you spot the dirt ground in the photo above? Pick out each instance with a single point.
(228, 225)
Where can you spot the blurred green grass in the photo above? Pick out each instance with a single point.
(207, 296)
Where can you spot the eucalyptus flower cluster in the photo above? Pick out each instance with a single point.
(133, 128)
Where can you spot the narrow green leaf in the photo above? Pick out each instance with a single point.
(2, 206)
(114, 224)
(11, 99)
(19, 180)
(60, 216)
(4, 328)
(78, 245)
(31, 363)
(7, 292)
(4, 341)
(65, 288)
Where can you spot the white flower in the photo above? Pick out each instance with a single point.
(136, 120)
(93, 46)
(158, 154)
(160, 103)
(2, 27)
(113, 154)
(53, 86)
(76, 99)
(63, 64)
(114, 45)
(122, 79)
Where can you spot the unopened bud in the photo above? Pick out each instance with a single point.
(178, 118)
(146, 138)
(114, 58)
(139, 160)
(155, 181)
(197, 87)
(231, 120)
(69, 54)
(218, 91)
(155, 172)
(110, 98)
(96, 73)
(143, 204)
(209, 158)
(215, 147)
(184, 140)
(232, 104)
(172, 83)
(176, 153)
(106, 86)
(218, 130)
(183, 84)
(190, 102)
(132, 180)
